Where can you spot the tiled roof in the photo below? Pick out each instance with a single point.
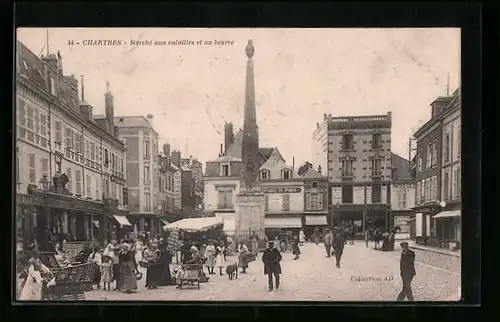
(312, 174)
(132, 121)
(235, 149)
(266, 152)
(400, 168)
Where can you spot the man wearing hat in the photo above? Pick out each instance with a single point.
(407, 268)
(271, 259)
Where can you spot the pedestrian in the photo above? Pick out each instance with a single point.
(243, 257)
(338, 248)
(210, 255)
(296, 249)
(367, 237)
(95, 259)
(407, 268)
(302, 237)
(164, 276)
(106, 272)
(277, 244)
(127, 282)
(255, 244)
(220, 256)
(328, 240)
(271, 259)
(353, 234)
(151, 258)
(316, 235)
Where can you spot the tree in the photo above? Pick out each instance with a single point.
(304, 168)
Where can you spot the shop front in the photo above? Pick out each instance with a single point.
(312, 220)
(448, 226)
(403, 220)
(284, 226)
(423, 228)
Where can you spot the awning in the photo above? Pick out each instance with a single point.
(448, 214)
(96, 223)
(195, 224)
(284, 222)
(318, 220)
(229, 226)
(123, 221)
(164, 222)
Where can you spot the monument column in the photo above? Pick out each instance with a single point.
(250, 202)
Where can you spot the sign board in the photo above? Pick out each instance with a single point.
(282, 190)
(358, 195)
(336, 195)
(402, 221)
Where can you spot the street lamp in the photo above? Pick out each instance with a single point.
(44, 183)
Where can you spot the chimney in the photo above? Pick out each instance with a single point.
(228, 135)
(319, 169)
(166, 150)
(176, 157)
(221, 149)
(51, 61)
(108, 103)
(149, 117)
(439, 104)
(86, 111)
(293, 163)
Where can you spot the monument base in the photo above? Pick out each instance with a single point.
(249, 215)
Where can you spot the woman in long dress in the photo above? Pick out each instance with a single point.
(151, 256)
(37, 274)
(302, 237)
(220, 257)
(95, 257)
(243, 253)
(138, 248)
(165, 278)
(127, 282)
(210, 255)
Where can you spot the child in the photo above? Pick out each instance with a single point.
(106, 272)
(296, 249)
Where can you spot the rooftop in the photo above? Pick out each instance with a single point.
(400, 169)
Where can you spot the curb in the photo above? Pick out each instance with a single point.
(436, 251)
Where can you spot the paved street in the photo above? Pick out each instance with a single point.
(315, 278)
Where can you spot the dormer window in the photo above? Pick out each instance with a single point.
(224, 170)
(265, 175)
(286, 174)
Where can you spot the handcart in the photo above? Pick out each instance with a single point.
(191, 275)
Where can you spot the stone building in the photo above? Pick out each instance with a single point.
(402, 196)
(69, 162)
(357, 152)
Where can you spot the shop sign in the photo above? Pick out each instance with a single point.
(282, 190)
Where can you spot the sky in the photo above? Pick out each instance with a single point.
(300, 74)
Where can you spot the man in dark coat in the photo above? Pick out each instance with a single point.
(338, 247)
(407, 268)
(271, 259)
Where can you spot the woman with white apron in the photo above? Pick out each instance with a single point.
(220, 256)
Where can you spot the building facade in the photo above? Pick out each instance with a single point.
(71, 164)
(171, 192)
(428, 170)
(402, 196)
(448, 222)
(141, 140)
(315, 206)
(196, 169)
(358, 162)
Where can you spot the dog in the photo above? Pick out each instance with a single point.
(232, 271)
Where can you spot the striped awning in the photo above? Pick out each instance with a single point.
(123, 221)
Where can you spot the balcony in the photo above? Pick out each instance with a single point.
(347, 175)
(376, 174)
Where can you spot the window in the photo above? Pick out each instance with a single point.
(113, 190)
(315, 184)
(347, 168)
(347, 142)
(146, 175)
(147, 201)
(347, 194)
(106, 189)
(22, 112)
(68, 174)
(89, 186)
(402, 200)
(52, 86)
(266, 202)
(434, 154)
(285, 203)
(43, 125)
(97, 189)
(37, 121)
(427, 190)
(106, 158)
(225, 170)
(433, 188)
(446, 147)
(459, 183)
(147, 151)
(58, 131)
(376, 167)
(92, 151)
(446, 182)
(122, 170)
(422, 191)
(78, 178)
(376, 141)
(17, 166)
(264, 174)
(429, 157)
(45, 167)
(225, 199)
(376, 194)
(419, 161)
(32, 169)
(68, 138)
(30, 124)
(417, 193)
(459, 140)
(154, 176)
(456, 180)
(314, 201)
(287, 174)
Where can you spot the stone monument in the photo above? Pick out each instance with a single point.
(250, 202)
